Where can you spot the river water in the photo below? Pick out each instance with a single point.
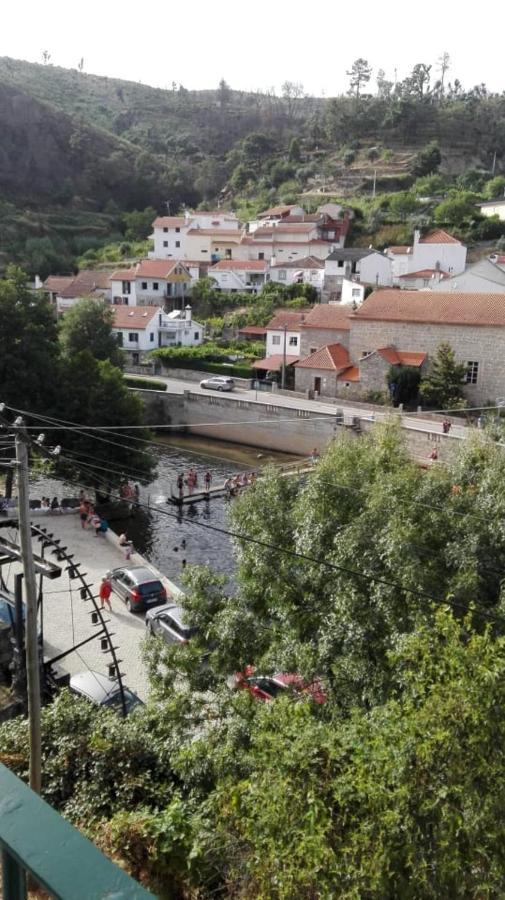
(165, 534)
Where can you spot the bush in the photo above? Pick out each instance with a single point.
(239, 370)
(145, 384)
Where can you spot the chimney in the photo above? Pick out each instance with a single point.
(417, 235)
(186, 216)
(187, 314)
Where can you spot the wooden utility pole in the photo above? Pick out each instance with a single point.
(283, 374)
(31, 636)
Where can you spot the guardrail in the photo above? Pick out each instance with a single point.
(36, 841)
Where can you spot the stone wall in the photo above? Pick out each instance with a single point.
(320, 337)
(305, 378)
(482, 344)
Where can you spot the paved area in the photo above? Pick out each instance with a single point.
(67, 618)
(413, 421)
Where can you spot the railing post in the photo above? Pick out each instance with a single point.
(14, 878)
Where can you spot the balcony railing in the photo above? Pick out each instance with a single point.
(36, 841)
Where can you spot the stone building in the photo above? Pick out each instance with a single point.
(319, 372)
(419, 321)
(324, 324)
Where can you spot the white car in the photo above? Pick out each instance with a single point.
(218, 383)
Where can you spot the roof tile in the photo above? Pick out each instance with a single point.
(332, 316)
(444, 307)
(333, 357)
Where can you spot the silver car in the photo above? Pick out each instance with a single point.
(218, 383)
(170, 623)
(103, 691)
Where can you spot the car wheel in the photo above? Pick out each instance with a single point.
(150, 629)
(129, 605)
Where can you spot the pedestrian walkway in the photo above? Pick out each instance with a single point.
(67, 618)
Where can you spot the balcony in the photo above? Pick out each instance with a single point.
(36, 841)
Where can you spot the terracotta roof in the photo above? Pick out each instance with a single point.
(400, 358)
(57, 283)
(85, 283)
(216, 232)
(333, 357)
(329, 315)
(123, 275)
(438, 237)
(137, 317)
(437, 307)
(307, 262)
(293, 319)
(157, 268)
(425, 273)
(276, 211)
(270, 230)
(170, 221)
(349, 374)
(273, 363)
(253, 329)
(230, 265)
(399, 250)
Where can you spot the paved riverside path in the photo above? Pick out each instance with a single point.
(67, 618)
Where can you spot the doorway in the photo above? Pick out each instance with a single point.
(317, 384)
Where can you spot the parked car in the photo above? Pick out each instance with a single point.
(218, 383)
(138, 586)
(268, 687)
(169, 622)
(103, 691)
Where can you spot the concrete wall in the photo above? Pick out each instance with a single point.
(482, 344)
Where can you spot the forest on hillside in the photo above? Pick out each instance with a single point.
(78, 147)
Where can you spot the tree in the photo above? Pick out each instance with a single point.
(403, 383)
(359, 75)
(495, 188)
(138, 223)
(46, 56)
(457, 208)
(88, 326)
(443, 386)
(384, 87)
(444, 64)
(417, 83)
(427, 160)
(402, 204)
(224, 93)
(294, 153)
(292, 92)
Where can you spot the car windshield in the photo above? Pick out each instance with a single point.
(267, 685)
(131, 700)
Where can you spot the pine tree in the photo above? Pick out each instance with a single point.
(444, 384)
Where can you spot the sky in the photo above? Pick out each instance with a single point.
(258, 45)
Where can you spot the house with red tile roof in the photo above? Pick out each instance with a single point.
(140, 329)
(239, 275)
(307, 270)
(65, 291)
(326, 323)
(437, 250)
(170, 232)
(151, 282)
(320, 370)
(284, 332)
(417, 322)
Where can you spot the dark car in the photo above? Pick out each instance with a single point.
(268, 687)
(169, 622)
(103, 691)
(138, 586)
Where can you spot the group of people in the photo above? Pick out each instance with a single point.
(235, 483)
(190, 480)
(90, 518)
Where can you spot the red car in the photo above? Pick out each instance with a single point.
(267, 687)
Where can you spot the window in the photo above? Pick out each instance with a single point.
(144, 285)
(165, 230)
(126, 287)
(133, 337)
(472, 372)
(261, 256)
(197, 336)
(330, 235)
(282, 274)
(151, 337)
(177, 243)
(313, 350)
(365, 353)
(165, 243)
(293, 342)
(155, 286)
(356, 292)
(340, 264)
(177, 230)
(204, 251)
(276, 339)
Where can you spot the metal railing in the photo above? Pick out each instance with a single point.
(37, 842)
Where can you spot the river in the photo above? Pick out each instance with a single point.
(166, 535)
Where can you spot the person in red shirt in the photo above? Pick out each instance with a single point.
(105, 592)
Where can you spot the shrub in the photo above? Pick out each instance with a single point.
(145, 384)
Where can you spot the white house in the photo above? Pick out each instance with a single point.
(150, 283)
(418, 281)
(240, 275)
(169, 232)
(139, 329)
(308, 270)
(367, 265)
(65, 292)
(285, 330)
(437, 250)
(212, 244)
(352, 292)
(483, 277)
(493, 208)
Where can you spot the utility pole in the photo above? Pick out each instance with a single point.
(374, 183)
(31, 641)
(283, 376)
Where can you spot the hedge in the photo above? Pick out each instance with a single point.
(146, 384)
(240, 370)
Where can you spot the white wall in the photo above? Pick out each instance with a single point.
(450, 258)
(117, 291)
(468, 282)
(352, 292)
(375, 269)
(498, 210)
(171, 237)
(275, 343)
(315, 277)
